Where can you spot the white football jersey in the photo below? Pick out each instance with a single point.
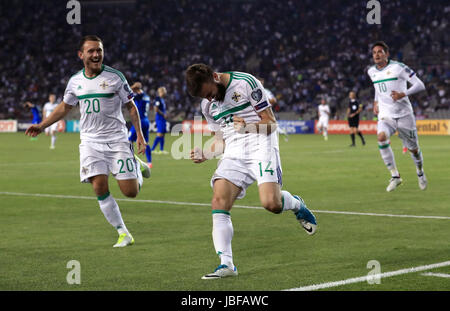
(245, 97)
(324, 111)
(393, 77)
(101, 99)
(48, 108)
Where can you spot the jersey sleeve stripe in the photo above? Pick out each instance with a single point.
(117, 72)
(252, 81)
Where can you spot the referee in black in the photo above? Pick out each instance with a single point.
(353, 111)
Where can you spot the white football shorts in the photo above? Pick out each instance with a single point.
(406, 127)
(244, 172)
(104, 158)
(52, 128)
(323, 122)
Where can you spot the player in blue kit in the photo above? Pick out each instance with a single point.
(36, 115)
(142, 101)
(160, 119)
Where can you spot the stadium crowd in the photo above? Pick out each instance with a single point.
(303, 49)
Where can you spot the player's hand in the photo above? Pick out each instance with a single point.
(141, 145)
(34, 130)
(239, 124)
(396, 95)
(197, 155)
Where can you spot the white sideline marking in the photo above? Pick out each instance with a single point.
(60, 196)
(369, 277)
(441, 275)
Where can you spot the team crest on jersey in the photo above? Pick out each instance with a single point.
(257, 95)
(104, 85)
(236, 96)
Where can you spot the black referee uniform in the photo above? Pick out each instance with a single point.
(353, 107)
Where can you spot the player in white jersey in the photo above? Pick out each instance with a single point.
(324, 116)
(242, 120)
(101, 91)
(48, 109)
(394, 111)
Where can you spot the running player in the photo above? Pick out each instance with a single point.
(394, 111)
(242, 120)
(324, 116)
(353, 111)
(142, 101)
(52, 129)
(160, 119)
(104, 149)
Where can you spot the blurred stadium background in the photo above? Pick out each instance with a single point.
(303, 49)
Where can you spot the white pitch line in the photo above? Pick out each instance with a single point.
(60, 196)
(370, 277)
(440, 275)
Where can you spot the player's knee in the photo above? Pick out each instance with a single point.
(219, 203)
(100, 189)
(381, 136)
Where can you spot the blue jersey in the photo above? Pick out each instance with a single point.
(142, 102)
(159, 102)
(36, 115)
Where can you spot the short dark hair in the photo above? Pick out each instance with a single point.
(88, 38)
(382, 44)
(196, 76)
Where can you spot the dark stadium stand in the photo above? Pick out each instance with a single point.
(303, 49)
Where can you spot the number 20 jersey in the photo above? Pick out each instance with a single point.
(101, 99)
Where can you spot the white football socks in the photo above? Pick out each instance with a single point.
(388, 156)
(418, 161)
(53, 141)
(222, 234)
(112, 213)
(289, 202)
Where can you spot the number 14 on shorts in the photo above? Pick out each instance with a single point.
(267, 169)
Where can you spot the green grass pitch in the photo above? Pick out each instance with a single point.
(173, 249)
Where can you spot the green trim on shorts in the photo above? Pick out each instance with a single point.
(102, 197)
(220, 211)
(383, 146)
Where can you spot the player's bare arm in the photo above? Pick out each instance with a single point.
(267, 125)
(136, 121)
(217, 147)
(59, 113)
(375, 107)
